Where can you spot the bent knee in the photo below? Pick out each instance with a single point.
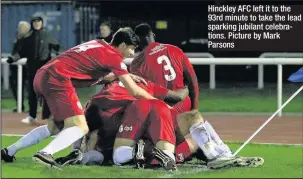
(122, 155)
(54, 128)
(191, 117)
(79, 121)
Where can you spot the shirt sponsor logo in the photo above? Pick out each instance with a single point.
(157, 48)
(125, 128)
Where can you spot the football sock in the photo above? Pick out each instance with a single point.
(182, 152)
(33, 137)
(202, 138)
(64, 139)
(215, 137)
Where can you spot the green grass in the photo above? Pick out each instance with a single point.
(226, 100)
(280, 162)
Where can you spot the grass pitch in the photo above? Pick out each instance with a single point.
(280, 162)
(220, 100)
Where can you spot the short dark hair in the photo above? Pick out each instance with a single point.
(143, 30)
(126, 35)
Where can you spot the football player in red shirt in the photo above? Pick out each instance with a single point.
(147, 119)
(167, 65)
(164, 64)
(113, 105)
(53, 82)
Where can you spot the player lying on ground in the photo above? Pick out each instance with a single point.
(96, 149)
(114, 93)
(150, 119)
(106, 109)
(53, 82)
(164, 64)
(191, 129)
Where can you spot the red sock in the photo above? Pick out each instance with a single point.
(154, 162)
(182, 152)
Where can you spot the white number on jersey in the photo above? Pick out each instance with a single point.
(88, 45)
(167, 67)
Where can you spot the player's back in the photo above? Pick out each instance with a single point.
(114, 97)
(160, 63)
(90, 60)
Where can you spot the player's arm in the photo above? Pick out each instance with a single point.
(120, 71)
(112, 77)
(191, 78)
(166, 94)
(133, 88)
(176, 96)
(108, 78)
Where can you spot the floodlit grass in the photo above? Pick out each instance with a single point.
(280, 161)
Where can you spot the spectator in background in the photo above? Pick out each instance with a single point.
(105, 32)
(38, 48)
(23, 32)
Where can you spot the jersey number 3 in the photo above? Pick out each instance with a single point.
(167, 67)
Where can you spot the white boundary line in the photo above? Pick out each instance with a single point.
(20, 135)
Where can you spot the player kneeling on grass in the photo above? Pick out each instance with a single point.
(149, 119)
(104, 112)
(143, 118)
(90, 61)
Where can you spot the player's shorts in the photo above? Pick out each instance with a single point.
(59, 94)
(107, 134)
(151, 118)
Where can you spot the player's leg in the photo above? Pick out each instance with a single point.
(246, 161)
(33, 137)
(65, 106)
(215, 137)
(93, 119)
(83, 150)
(192, 122)
(185, 147)
(164, 138)
(133, 124)
(87, 155)
(45, 112)
(154, 117)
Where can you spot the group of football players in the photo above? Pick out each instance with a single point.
(147, 117)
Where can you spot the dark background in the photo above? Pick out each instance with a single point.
(188, 20)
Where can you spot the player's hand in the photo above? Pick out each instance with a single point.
(138, 79)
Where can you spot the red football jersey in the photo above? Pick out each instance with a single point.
(166, 65)
(89, 61)
(114, 97)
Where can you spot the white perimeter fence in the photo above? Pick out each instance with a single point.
(278, 59)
